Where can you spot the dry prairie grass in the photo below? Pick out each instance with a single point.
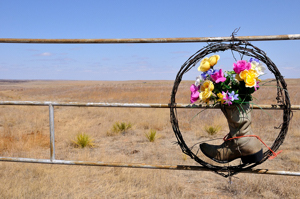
(24, 132)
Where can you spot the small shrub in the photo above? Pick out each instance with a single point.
(83, 140)
(184, 157)
(212, 130)
(151, 135)
(121, 127)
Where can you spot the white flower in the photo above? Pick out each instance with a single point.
(198, 81)
(254, 64)
(260, 69)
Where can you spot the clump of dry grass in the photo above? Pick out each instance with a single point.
(121, 127)
(212, 130)
(151, 135)
(83, 140)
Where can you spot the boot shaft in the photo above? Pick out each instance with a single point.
(247, 148)
(239, 120)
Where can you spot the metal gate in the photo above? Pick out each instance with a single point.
(51, 105)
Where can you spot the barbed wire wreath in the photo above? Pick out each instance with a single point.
(283, 100)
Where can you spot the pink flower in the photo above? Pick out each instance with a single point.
(218, 76)
(256, 86)
(194, 93)
(241, 65)
(227, 99)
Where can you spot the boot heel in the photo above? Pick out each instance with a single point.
(256, 157)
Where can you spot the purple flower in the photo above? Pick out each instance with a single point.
(203, 75)
(233, 96)
(212, 71)
(253, 59)
(209, 73)
(229, 97)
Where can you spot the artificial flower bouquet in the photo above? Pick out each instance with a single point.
(228, 87)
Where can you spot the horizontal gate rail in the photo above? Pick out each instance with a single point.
(142, 166)
(134, 105)
(152, 40)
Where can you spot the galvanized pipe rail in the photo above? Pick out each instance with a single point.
(152, 40)
(141, 166)
(52, 159)
(134, 105)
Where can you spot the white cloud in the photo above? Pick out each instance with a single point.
(45, 54)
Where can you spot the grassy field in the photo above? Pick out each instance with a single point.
(24, 132)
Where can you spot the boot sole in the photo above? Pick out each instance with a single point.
(256, 157)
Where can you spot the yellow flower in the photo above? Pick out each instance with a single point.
(205, 95)
(213, 60)
(253, 73)
(206, 101)
(207, 84)
(207, 63)
(251, 78)
(250, 81)
(206, 90)
(243, 74)
(204, 65)
(237, 77)
(220, 96)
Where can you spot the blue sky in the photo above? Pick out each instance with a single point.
(66, 19)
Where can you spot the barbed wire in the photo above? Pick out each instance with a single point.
(245, 48)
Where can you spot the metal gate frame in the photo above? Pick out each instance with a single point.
(51, 105)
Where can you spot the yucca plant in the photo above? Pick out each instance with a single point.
(151, 135)
(121, 127)
(83, 140)
(212, 130)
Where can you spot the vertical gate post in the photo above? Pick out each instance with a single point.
(52, 138)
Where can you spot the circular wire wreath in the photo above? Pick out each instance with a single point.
(283, 100)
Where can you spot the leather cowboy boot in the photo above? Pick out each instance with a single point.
(246, 148)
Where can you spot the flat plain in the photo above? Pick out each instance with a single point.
(24, 132)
